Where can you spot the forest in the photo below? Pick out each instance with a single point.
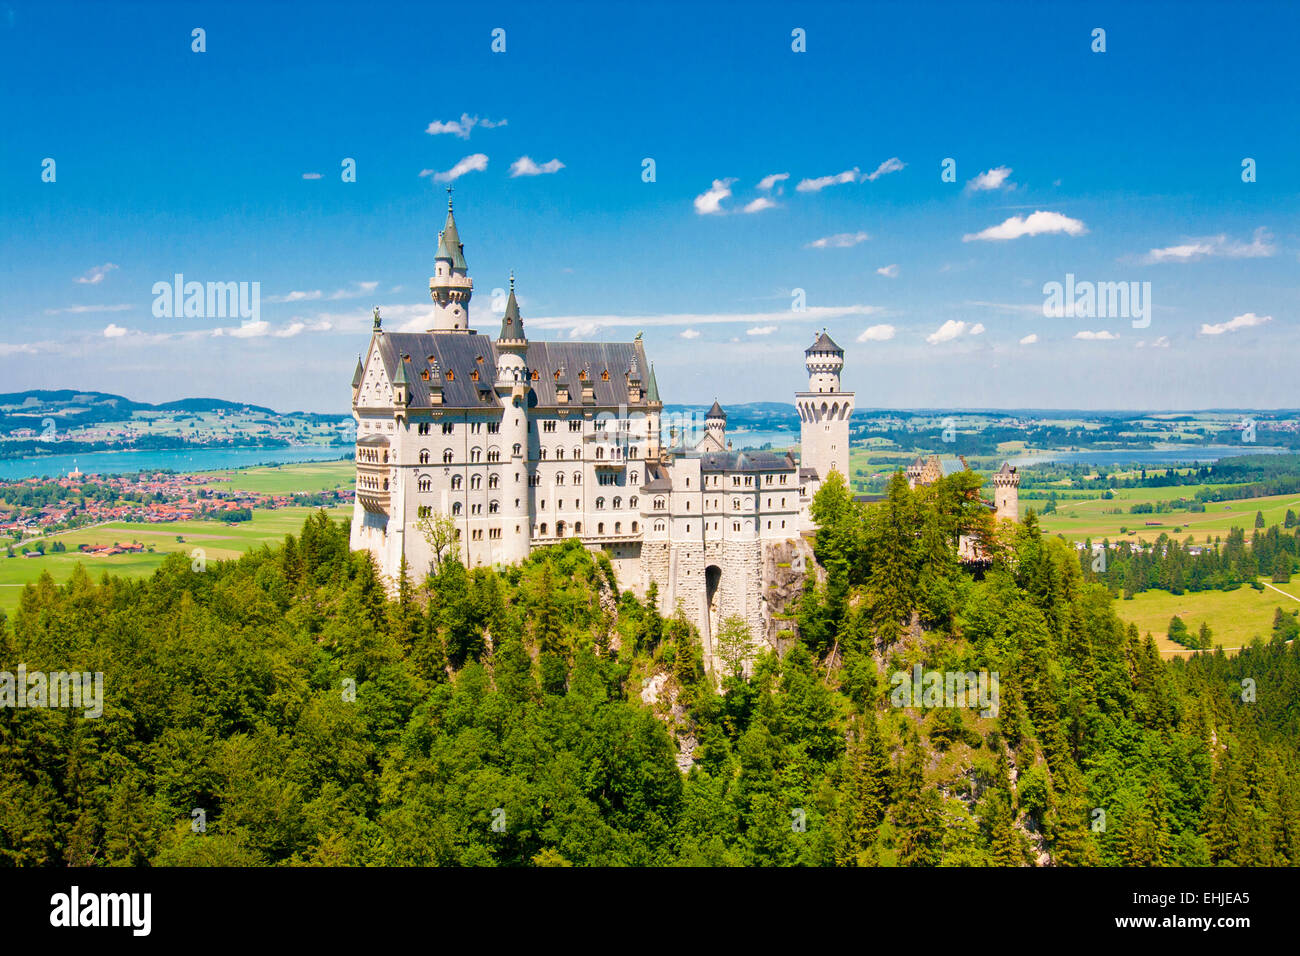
(282, 709)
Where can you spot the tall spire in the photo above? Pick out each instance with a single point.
(449, 245)
(512, 323)
(652, 387)
(450, 286)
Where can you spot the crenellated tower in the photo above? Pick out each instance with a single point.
(1006, 493)
(824, 411)
(450, 285)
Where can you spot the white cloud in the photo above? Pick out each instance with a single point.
(311, 175)
(584, 330)
(977, 328)
(767, 182)
(1029, 339)
(710, 201)
(1035, 224)
(474, 163)
(1260, 247)
(1102, 336)
(82, 309)
(7, 348)
(690, 334)
(821, 182)
(96, 274)
(761, 330)
(462, 126)
(953, 328)
(891, 165)
(247, 330)
(296, 296)
(524, 166)
(877, 333)
(1237, 322)
(841, 240)
(889, 272)
(112, 331)
(990, 179)
(289, 331)
(759, 204)
(1160, 343)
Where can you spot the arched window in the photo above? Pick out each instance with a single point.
(577, 527)
(631, 502)
(446, 456)
(634, 527)
(494, 481)
(517, 450)
(618, 527)
(600, 451)
(541, 453)
(559, 529)
(456, 482)
(425, 483)
(543, 529)
(659, 504)
(494, 454)
(559, 478)
(577, 453)
(632, 479)
(476, 481)
(424, 456)
(659, 526)
(577, 477)
(600, 528)
(618, 502)
(559, 453)
(455, 507)
(735, 504)
(476, 454)
(494, 507)
(600, 503)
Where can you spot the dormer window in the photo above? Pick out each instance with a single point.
(474, 373)
(424, 374)
(451, 376)
(536, 376)
(604, 376)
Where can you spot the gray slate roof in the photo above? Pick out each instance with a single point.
(459, 352)
(824, 343)
(746, 461)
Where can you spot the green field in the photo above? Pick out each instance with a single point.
(1077, 520)
(219, 541)
(1235, 617)
(304, 477)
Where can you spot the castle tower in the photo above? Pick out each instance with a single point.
(450, 286)
(715, 429)
(654, 409)
(1006, 493)
(512, 388)
(824, 411)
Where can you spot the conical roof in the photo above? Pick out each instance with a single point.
(824, 343)
(449, 245)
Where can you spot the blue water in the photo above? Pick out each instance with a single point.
(182, 460)
(1203, 454)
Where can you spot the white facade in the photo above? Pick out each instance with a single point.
(525, 444)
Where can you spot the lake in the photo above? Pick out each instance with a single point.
(181, 460)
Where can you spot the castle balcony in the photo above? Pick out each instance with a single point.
(373, 501)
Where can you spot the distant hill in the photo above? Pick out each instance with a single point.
(69, 407)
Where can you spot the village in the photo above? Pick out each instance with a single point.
(40, 506)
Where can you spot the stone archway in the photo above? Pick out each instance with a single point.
(712, 583)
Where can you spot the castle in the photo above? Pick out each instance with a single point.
(525, 444)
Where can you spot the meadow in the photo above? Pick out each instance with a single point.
(1235, 617)
(1078, 520)
(219, 541)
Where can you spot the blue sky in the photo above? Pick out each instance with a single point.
(1122, 166)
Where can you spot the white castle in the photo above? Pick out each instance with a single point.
(526, 444)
